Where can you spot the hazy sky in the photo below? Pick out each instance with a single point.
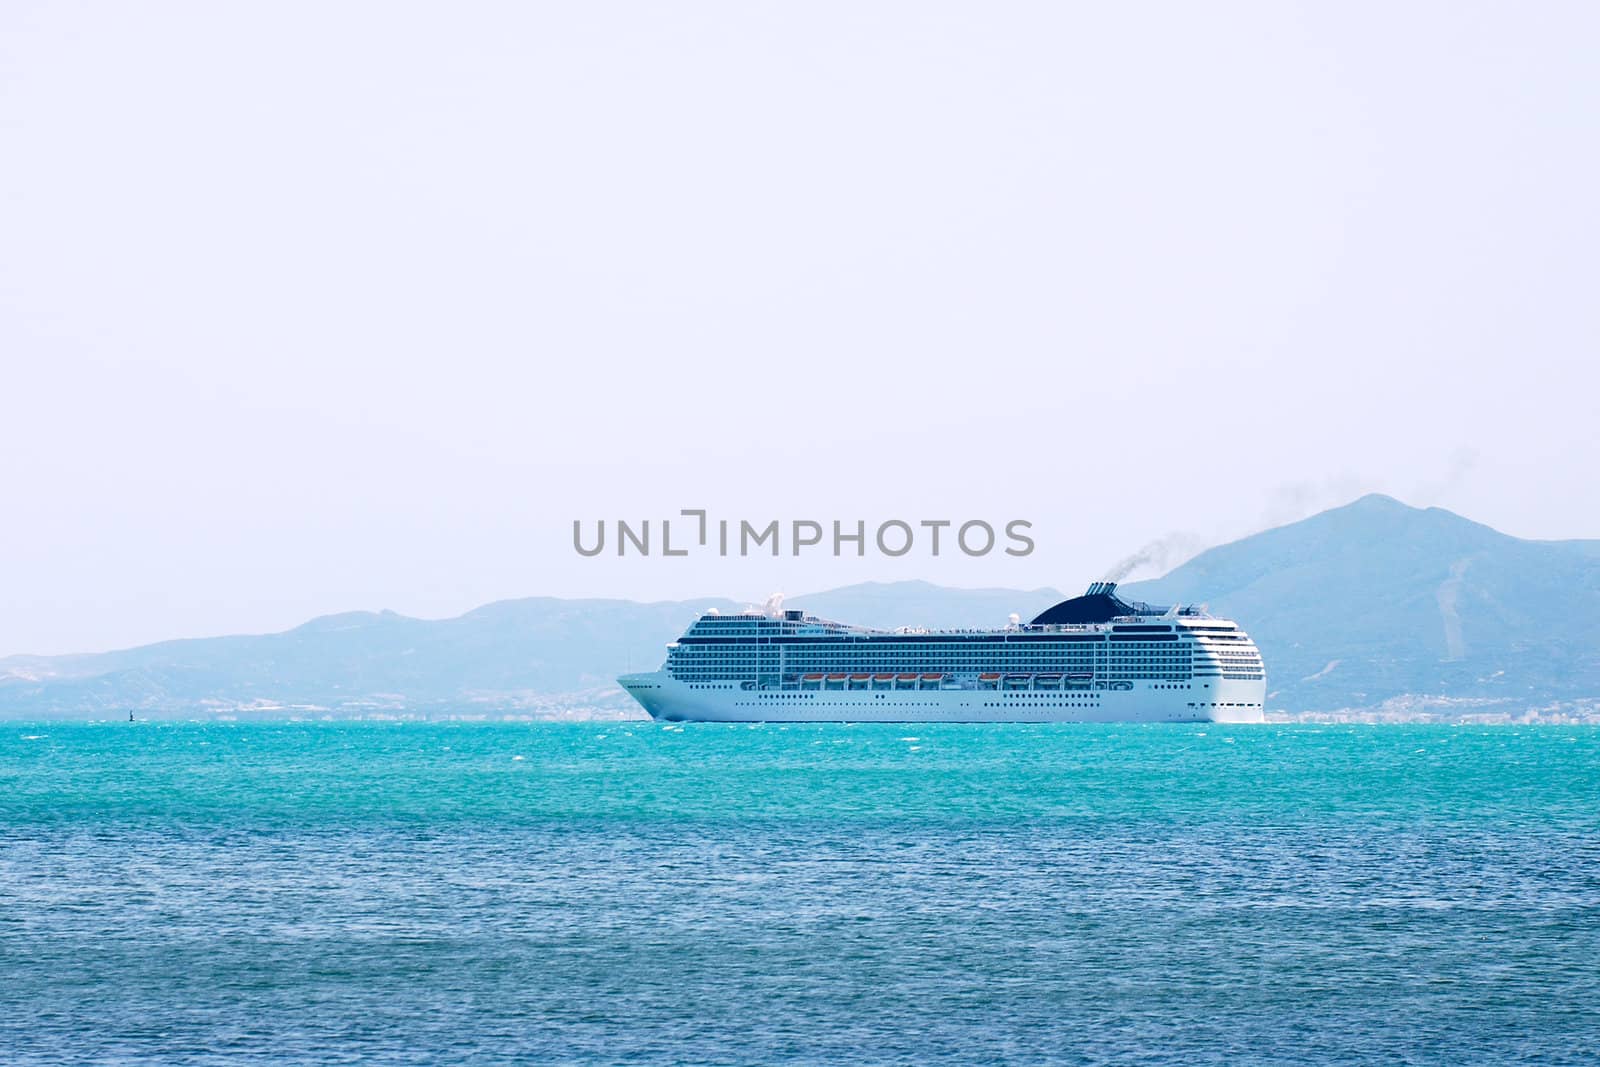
(315, 307)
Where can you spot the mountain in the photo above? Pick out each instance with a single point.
(1376, 600)
(534, 654)
(1365, 604)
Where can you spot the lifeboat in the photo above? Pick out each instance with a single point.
(989, 681)
(811, 677)
(1017, 681)
(932, 677)
(884, 677)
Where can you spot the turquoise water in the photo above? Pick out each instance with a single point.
(627, 892)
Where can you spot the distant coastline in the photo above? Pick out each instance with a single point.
(1371, 612)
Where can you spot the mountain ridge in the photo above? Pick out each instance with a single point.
(1355, 607)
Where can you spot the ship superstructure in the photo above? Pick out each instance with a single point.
(1093, 658)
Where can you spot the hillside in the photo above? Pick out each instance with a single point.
(1375, 600)
(1363, 604)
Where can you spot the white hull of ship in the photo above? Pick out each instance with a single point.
(1211, 700)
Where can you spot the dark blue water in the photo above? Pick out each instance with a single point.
(625, 893)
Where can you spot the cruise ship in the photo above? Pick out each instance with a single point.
(1093, 658)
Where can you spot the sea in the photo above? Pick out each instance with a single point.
(630, 892)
